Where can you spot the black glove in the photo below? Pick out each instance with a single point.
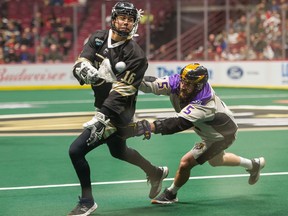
(136, 129)
(143, 128)
(97, 126)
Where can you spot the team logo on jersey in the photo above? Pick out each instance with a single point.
(98, 42)
(196, 102)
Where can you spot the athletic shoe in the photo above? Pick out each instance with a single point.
(84, 207)
(156, 182)
(258, 164)
(165, 198)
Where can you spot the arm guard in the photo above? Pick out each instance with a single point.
(171, 125)
(157, 86)
(147, 85)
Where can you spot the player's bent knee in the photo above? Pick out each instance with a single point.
(117, 155)
(215, 163)
(72, 153)
(75, 153)
(185, 165)
(211, 163)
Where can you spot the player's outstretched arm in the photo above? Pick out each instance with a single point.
(139, 128)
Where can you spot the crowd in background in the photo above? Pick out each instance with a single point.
(43, 40)
(265, 34)
(50, 39)
(262, 41)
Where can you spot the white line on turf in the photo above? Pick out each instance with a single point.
(137, 181)
(160, 98)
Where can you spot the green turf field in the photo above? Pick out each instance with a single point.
(37, 178)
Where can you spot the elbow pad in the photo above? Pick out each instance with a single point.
(76, 73)
(149, 78)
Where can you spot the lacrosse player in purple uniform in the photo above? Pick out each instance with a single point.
(198, 107)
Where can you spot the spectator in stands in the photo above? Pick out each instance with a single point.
(275, 6)
(56, 2)
(24, 55)
(263, 5)
(268, 52)
(49, 39)
(40, 55)
(11, 42)
(231, 55)
(27, 38)
(259, 44)
(10, 56)
(2, 60)
(40, 58)
(13, 30)
(247, 53)
(64, 43)
(254, 24)
(49, 22)
(2, 39)
(241, 24)
(37, 20)
(54, 55)
(68, 26)
(232, 36)
(221, 40)
(57, 26)
(212, 45)
(273, 25)
(71, 2)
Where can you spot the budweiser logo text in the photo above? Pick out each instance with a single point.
(30, 76)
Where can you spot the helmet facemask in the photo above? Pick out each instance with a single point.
(126, 9)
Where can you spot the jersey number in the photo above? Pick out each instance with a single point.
(188, 109)
(162, 85)
(129, 77)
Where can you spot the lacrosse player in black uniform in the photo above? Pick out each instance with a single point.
(114, 64)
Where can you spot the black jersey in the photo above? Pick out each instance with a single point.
(117, 100)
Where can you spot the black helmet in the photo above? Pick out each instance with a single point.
(125, 8)
(195, 74)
